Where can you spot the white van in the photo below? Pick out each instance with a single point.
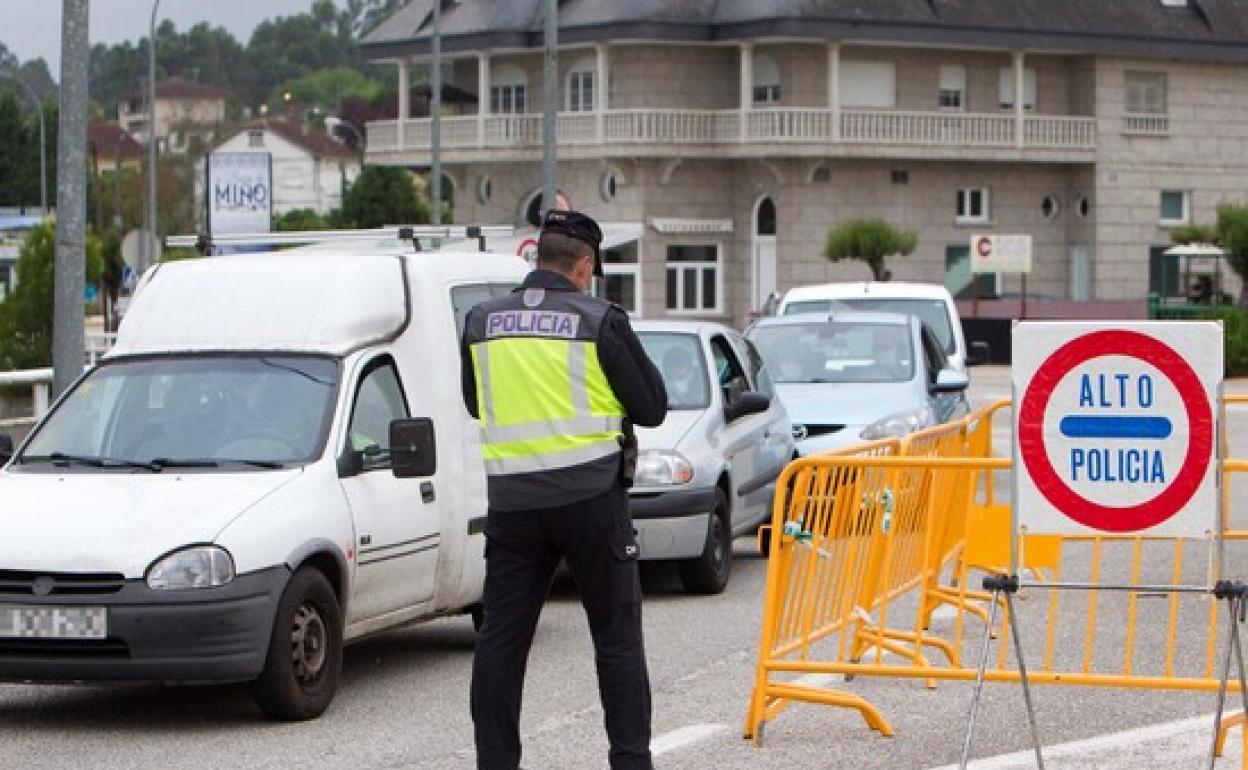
(273, 460)
(930, 303)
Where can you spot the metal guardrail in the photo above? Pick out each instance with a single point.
(40, 383)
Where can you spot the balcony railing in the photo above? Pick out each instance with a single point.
(725, 127)
(1146, 125)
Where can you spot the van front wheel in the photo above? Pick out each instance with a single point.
(304, 662)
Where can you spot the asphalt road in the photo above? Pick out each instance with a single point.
(403, 703)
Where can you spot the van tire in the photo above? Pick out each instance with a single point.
(709, 572)
(304, 662)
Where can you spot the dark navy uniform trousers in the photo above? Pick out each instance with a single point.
(523, 549)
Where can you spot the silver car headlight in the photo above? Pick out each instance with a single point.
(201, 566)
(662, 468)
(899, 424)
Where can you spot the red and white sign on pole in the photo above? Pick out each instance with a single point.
(1116, 427)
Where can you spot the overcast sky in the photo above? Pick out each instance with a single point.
(32, 28)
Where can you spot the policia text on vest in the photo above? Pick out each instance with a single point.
(554, 378)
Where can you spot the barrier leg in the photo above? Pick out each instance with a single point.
(979, 682)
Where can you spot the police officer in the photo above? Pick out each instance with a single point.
(555, 378)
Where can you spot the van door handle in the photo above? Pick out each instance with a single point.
(427, 494)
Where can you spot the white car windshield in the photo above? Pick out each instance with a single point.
(679, 359)
(932, 312)
(191, 412)
(836, 351)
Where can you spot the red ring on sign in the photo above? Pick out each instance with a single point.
(1031, 448)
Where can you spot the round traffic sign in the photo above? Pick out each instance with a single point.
(528, 250)
(1109, 445)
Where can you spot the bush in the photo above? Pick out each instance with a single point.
(383, 195)
(1235, 337)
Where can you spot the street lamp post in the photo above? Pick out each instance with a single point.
(149, 255)
(43, 140)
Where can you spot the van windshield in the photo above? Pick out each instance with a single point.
(932, 312)
(208, 412)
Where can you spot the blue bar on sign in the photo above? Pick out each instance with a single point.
(1075, 426)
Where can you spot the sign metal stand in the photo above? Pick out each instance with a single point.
(1234, 593)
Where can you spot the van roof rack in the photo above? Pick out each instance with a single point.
(206, 243)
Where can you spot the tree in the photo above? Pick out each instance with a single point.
(328, 88)
(1193, 233)
(26, 314)
(383, 195)
(1232, 234)
(870, 240)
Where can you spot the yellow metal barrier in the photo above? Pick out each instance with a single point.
(868, 543)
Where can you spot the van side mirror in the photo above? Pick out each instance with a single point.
(746, 404)
(413, 449)
(6, 448)
(979, 354)
(950, 381)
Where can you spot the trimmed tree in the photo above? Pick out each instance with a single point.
(869, 240)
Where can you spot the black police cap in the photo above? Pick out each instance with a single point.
(576, 225)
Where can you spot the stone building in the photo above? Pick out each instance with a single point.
(179, 103)
(732, 135)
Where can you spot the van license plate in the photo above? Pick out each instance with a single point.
(26, 622)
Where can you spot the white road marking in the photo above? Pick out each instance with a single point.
(1186, 741)
(685, 736)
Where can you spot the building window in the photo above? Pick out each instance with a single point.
(693, 278)
(952, 88)
(1146, 93)
(868, 84)
(766, 85)
(608, 186)
(1005, 80)
(1049, 207)
(1175, 207)
(621, 269)
(961, 282)
(509, 90)
(1083, 206)
(255, 137)
(485, 189)
(581, 86)
(972, 205)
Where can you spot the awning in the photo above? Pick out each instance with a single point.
(1195, 250)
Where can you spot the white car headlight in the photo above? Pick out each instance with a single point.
(201, 566)
(899, 424)
(662, 468)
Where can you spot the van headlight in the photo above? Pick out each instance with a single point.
(662, 468)
(899, 424)
(201, 566)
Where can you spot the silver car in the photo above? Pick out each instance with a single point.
(707, 474)
(851, 377)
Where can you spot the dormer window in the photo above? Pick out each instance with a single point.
(766, 86)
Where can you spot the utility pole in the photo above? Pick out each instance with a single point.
(435, 112)
(149, 253)
(550, 93)
(71, 199)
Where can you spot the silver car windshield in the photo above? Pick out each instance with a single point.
(193, 412)
(932, 312)
(836, 351)
(679, 359)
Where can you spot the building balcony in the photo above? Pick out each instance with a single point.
(750, 133)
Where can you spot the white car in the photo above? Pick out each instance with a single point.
(708, 473)
(847, 378)
(275, 459)
(930, 303)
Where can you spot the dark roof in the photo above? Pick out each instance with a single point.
(315, 140)
(107, 139)
(181, 88)
(1203, 29)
